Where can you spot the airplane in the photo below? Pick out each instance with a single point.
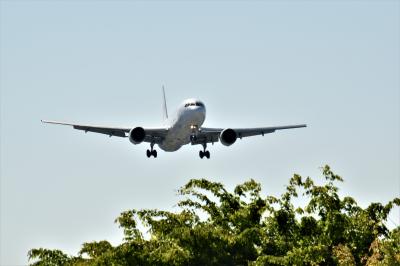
(182, 129)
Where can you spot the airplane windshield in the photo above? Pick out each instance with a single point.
(194, 104)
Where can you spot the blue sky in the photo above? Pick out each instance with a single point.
(332, 65)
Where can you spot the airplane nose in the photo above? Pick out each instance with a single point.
(200, 109)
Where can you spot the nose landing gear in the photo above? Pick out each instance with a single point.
(151, 152)
(204, 152)
(193, 136)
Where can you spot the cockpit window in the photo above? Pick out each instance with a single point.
(194, 104)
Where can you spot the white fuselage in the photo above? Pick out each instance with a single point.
(189, 117)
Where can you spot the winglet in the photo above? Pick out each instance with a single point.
(165, 111)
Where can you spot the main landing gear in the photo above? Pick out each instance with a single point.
(151, 152)
(204, 152)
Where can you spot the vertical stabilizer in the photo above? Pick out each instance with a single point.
(165, 111)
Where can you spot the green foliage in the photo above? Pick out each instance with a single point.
(244, 228)
(48, 257)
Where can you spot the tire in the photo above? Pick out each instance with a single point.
(193, 138)
(207, 154)
(201, 154)
(154, 153)
(148, 153)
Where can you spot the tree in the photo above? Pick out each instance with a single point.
(244, 228)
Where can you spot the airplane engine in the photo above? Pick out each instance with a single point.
(137, 135)
(228, 137)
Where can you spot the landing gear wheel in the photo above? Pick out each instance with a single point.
(150, 153)
(193, 138)
(204, 152)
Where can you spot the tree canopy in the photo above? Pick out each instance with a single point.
(216, 227)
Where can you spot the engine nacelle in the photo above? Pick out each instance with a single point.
(137, 135)
(228, 137)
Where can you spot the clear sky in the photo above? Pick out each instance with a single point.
(333, 65)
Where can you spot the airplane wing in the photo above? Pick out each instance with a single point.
(151, 134)
(211, 135)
